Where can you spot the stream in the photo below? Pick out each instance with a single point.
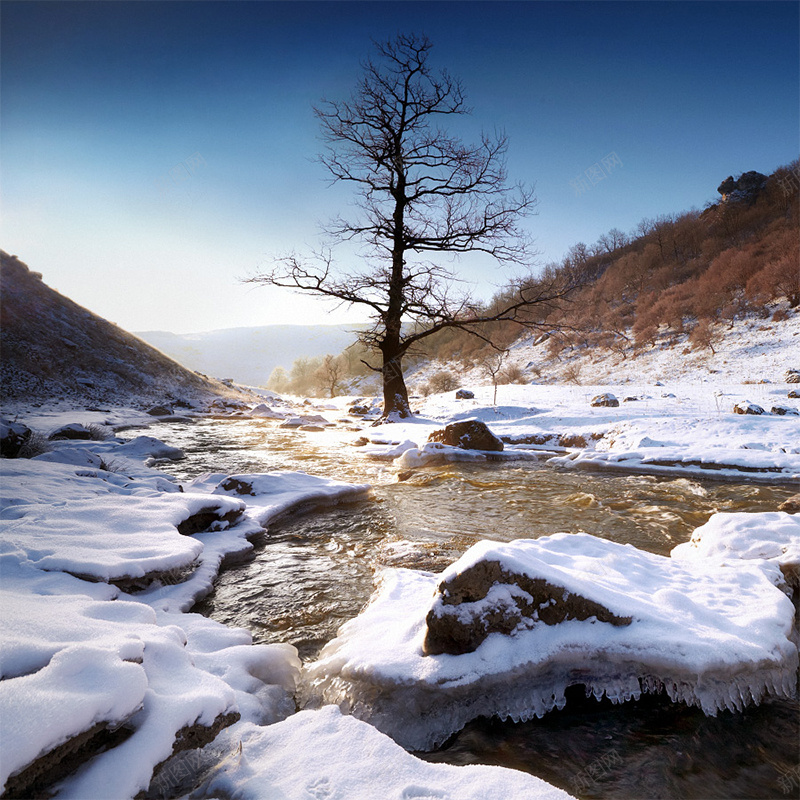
(311, 572)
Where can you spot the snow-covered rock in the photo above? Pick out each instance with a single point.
(605, 400)
(746, 407)
(715, 636)
(12, 436)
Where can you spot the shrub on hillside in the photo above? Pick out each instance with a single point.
(442, 381)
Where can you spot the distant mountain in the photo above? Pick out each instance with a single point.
(52, 349)
(248, 355)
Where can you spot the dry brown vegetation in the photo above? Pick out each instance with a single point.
(692, 273)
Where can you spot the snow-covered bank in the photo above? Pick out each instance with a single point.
(678, 429)
(101, 664)
(709, 634)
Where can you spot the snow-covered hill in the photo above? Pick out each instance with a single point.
(755, 349)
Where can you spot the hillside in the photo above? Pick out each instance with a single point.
(691, 275)
(249, 355)
(53, 349)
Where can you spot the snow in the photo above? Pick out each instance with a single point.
(692, 433)
(713, 623)
(772, 536)
(350, 759)
(78, 651)
(715, 636)
(675, 415)
(79, 688)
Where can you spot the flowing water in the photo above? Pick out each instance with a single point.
(312, 572)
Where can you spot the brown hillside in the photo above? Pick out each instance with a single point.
(52, 348)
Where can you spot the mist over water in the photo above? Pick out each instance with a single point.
(312, 572)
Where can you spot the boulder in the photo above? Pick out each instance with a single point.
(571, 440)
(12, 436)
(792, 505)
(793, 394)
(159, 411)
(72, 431)
(358, 409)
(782, 411)
(465, 394)
(792, 376)
(470, 434)
(489, 598)
(604, 401)
(746, 407)
(746, 187)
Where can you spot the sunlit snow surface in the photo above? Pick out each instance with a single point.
(77, 653)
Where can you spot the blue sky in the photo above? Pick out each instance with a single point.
(155, 153)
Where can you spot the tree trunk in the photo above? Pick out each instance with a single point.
(395, 393)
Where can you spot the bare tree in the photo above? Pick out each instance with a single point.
(330, 373)
(492, 365)
(421, 191)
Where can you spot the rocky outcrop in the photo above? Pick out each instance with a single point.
(792, 376)
(470, 434)
(606, 400)
(746, 407)
(746, 188)
(13, 436)
(489, 598)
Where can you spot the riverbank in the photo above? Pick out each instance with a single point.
(89, 523)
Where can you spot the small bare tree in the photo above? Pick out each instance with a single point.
(421, 191)
(492, 366)
(330, 373)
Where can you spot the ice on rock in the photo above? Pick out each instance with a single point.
(711, 635)
(271, 494)
(82, 687)
(322, 754)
